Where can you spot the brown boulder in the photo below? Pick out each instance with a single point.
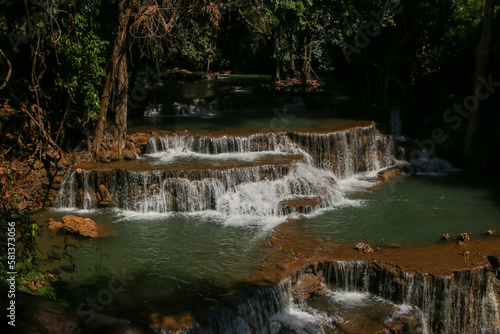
(175, 323)
(464, 237)
(85, 227)
(387, 175)
(140, 141)
(365, 248)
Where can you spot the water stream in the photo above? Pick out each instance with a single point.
(192, 219)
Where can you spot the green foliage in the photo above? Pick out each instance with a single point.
(29, 277)
(193, 43)
(82, 71)
(25, 231)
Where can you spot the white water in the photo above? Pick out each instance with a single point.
(239, 195)
(333, 165)
(357, 295)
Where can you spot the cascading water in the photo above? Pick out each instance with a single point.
(253, 314)
(463, 302)
(258, 189)
(254, 175)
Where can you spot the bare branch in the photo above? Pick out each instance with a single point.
(9, 71)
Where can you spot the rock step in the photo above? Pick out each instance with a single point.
(300, 204)
(194, 164)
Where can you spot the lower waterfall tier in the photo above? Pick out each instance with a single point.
(394, 302)
(237, 191)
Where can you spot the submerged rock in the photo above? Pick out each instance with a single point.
(464, 237)
(387, 175)
(171, 323)
(307, 285)
(365, 248)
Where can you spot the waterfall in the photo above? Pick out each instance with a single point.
(463, 302)
(251, 313)
(292, 172)
(345, 152)
(183, 142)
(238, 191)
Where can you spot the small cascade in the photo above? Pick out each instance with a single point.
(66, 198)
(216, 145)
(464, 302)
(238, 191)
(428, 163)
(345, 152)
(461, 303)
(251, 314)
(348, 152)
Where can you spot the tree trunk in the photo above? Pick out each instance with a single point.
(292, 56)
(101, 123)
(482, 51)
(117, 82)
(121, 110)
(277, 60)
(306, 66)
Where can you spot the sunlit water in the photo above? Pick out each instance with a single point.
(411, 210)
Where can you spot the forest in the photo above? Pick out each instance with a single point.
(75, 73)
(69, 67)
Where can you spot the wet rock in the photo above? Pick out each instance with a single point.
(82, 226)
(105, 199)
(129, 154)
(171, 323)
(140, 141)
(445, 236)
(386, 175)
(363, 326)
(365, 248)
(464, 237)
(406, 323)
(307, 285)
(299, 205)
(55, 225)
(258, 146)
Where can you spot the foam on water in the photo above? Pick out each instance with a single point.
(427, 163)
(128, 215)
(349, 298)
(171, 155)
(333, 164)
(299, 319)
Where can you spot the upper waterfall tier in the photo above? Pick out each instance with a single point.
(344, 151)
(258, 174)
